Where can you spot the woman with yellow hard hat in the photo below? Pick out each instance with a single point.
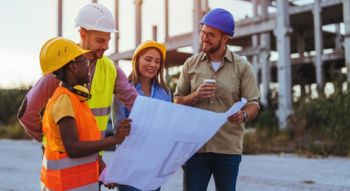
(147, 77)
(73, 140)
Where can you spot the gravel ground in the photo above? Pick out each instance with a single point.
(20, 171)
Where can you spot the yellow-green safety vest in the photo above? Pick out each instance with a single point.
(101, 91)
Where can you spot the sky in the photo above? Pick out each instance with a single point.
(27, 24)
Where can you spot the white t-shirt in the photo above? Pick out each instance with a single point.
(216, 65)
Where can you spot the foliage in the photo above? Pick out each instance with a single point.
(321, 126)
(10, 100)
(13, 131)
(318, 126)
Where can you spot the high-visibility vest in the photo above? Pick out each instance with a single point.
(102, 87)
(59, 172)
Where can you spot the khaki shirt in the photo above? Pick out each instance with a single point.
(234, 79)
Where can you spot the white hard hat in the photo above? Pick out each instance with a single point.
(95, 17)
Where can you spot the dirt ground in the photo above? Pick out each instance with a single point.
(20, 163)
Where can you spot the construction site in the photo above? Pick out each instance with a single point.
(290, 44)
(299, 51)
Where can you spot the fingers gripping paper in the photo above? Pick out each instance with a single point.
(163, 136)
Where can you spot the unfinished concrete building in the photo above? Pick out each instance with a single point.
(295, 34)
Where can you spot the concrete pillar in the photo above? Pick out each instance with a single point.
(59, 17)
(338, 39)
(154, 32)
(317, 12)
(264, 58)
(255, 62)
(197, 16)
(346, 16)
(301, 49)
(166, 19)
(282, 34)
(301, 45)
(116, 13)
(138, 22)
(255, 43)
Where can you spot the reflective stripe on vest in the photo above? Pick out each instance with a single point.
(67, 162)
(102, 87)
(101, 111)
(90, 187)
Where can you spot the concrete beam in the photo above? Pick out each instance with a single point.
(247, 28)
(258, 25)
(310, 7)
(179, 41)
(126, 55)
(310, 59)
(250, 51)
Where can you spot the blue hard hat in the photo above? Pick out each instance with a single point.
(220, 19)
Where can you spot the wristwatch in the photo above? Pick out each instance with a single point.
(245, 116)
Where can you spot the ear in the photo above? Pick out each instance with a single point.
(225, 38)
(83, 34)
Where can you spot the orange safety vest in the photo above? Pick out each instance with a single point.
(59, 172)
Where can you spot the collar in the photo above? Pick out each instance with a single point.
(154, 87)
(227, 57)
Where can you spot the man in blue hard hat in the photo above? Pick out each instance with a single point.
(231, 77)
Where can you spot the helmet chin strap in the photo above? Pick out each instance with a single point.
(80, 90)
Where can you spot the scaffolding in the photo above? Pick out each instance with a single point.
(292, 30)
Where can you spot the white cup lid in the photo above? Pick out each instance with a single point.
(209, 81)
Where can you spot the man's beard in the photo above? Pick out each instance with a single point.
(96, 53)
(212, 48)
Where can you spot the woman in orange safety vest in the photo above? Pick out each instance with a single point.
(71, 160)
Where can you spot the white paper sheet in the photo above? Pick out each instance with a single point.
(163, 137)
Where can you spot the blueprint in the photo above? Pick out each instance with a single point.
(163, 136)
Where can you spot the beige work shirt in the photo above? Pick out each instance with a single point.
(234, 79)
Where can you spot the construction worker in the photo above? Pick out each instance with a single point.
(73, 140)
(214, 80)
(96, 24)
(147, 76)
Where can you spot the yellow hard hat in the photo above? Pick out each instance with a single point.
(149, 44)
(58, 52)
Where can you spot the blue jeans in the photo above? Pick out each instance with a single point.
(199, 168)
(130, 188)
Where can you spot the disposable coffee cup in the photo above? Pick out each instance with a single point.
(211, 81)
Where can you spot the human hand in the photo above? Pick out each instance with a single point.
(236, 118)
(123, 130)
(205, 91)
(110, 185)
